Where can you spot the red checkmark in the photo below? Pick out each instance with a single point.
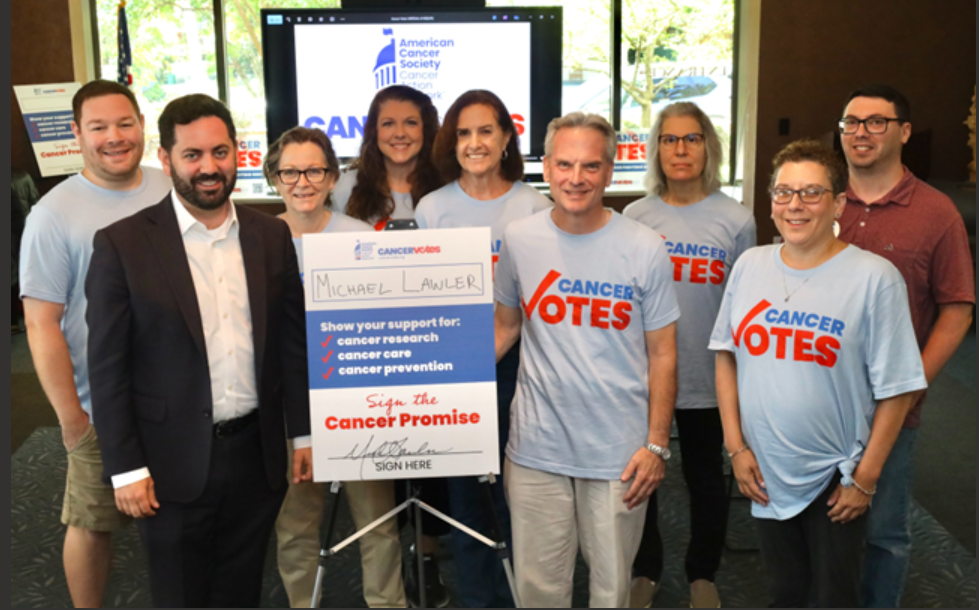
(754, 313)
(327, 376)
(327, 359)
(552, 277)
(328, 339)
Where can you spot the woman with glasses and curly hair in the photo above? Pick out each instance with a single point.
(706, 231)
(394, 170)
(817, 367)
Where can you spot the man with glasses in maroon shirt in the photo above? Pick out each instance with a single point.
(892, 213)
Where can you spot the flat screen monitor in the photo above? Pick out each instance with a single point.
(324, 66)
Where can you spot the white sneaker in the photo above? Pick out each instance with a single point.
(642, 593)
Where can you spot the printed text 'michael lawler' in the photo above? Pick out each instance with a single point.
(464, 280)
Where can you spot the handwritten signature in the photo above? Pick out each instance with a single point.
(389, 451)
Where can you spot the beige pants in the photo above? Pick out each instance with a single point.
(298, 534)
(552, 517)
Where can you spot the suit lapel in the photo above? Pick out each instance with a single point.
(164, 235)
(253, 254)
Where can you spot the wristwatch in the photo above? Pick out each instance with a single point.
(662, 452)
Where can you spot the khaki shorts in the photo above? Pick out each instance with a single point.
(90, 504)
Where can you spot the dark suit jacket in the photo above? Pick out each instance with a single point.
(151, 384)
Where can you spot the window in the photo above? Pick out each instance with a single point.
(172, 43)
(671, 50)
(677, 51)
(587, 69)
(243, 31)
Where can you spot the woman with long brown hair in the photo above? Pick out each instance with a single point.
(386, 182)
(394, 170)
(479, 158)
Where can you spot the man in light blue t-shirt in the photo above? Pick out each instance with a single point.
(55, 254)
(591, 295)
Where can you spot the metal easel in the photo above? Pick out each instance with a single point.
(414, 503)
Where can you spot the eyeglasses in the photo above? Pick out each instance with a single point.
(691, 140)
(874, 125)
(810, 194)
(314, 175)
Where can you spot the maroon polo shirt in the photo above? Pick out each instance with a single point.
(920, 231)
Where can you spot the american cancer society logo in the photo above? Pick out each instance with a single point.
(386, 69)
(364, 251)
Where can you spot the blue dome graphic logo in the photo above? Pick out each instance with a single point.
(386, 71)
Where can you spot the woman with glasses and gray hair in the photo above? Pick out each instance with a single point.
(706, 232)
(303, 168)
(817, 368)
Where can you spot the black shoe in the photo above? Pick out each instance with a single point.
(436, 594)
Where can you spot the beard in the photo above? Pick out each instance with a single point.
(188, 190)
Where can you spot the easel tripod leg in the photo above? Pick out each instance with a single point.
(337, 490)
(419, 536)
(504, 551)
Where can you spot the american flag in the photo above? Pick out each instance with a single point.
(125, 53)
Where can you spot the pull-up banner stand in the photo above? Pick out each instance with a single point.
(48, 116)
(401, 354)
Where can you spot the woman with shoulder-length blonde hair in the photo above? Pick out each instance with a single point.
(706, 232)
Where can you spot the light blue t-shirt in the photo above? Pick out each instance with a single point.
(704, 241)
(816, 351)
(404, 207)
(582, 403)
(451, 208)
(339, 223)
(57, 249)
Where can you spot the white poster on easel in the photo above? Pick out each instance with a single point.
(402, 364)
(48, 115)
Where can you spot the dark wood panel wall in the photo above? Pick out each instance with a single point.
(814, 53)
(40, 53)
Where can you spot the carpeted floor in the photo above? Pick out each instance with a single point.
(943, 573)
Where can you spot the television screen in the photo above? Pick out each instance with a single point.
(324, 66)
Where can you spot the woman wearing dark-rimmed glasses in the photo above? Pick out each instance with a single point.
(303, 168)
(706, 231)
(817, 368)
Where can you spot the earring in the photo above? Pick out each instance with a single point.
(506, 154)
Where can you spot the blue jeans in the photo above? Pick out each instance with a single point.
(482, 582)
(888, 556)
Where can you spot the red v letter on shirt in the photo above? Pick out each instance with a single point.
(548, 281)
(751, 316)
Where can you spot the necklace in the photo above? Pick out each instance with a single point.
(785, 283)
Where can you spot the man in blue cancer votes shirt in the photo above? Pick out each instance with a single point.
(590, 294)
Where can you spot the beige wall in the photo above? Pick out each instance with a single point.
(813, 53)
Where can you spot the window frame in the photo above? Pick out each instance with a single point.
(615, 59)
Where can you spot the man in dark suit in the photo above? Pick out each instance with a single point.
(198, 368)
